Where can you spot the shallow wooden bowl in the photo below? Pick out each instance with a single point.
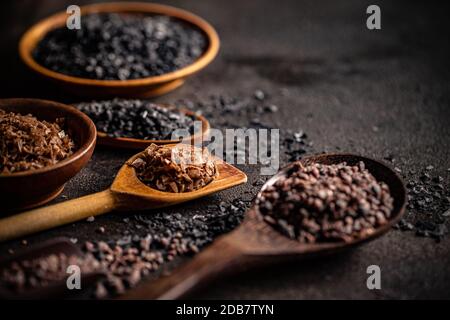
(144, 87)
(140, 144)
(32, 188)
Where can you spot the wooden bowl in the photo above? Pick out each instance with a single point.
(26, 189)
(140, 144)
(143, 87)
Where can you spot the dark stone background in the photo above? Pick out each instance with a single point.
(376, 93)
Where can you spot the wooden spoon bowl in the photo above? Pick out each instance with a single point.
(32, 188)
(255, 242)
(144, 87)
(127, 192)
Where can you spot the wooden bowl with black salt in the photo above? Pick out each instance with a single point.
(124, 85)
(27, 188)
(151, 123)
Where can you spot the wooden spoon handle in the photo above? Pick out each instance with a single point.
(56, 215)
(218, 258)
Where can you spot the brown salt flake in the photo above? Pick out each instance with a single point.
(173, 186)
(138, 163)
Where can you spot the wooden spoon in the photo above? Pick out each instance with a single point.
(257, 243)
(54, 289)
(127, 192)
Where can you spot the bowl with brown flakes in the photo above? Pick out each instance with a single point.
(43, 144)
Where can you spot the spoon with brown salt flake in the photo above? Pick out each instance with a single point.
(255, 242)
(126, 193)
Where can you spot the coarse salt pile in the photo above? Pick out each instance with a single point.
(27, 143)
(318, 202)
(183, 168)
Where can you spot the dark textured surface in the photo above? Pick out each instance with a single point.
(376, 93)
